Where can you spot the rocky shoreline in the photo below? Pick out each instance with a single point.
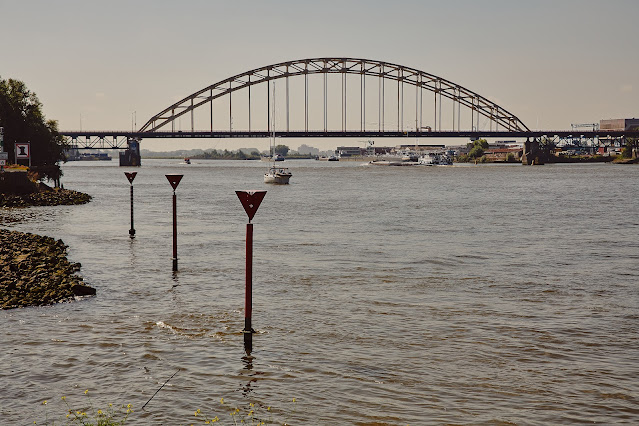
(52, 197)
(35, 271)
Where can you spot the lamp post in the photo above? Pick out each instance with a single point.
(174, 180)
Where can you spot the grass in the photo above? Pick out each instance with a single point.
(88, 415)
(247, 414)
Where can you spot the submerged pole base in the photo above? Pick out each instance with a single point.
(175, 268)
(247, 326)
(132, 233)
(248, 342)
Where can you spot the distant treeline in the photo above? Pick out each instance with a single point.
(214, 154)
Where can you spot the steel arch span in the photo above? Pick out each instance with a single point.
(444, 94)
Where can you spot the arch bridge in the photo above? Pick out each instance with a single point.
(331, 97)
(374, 98)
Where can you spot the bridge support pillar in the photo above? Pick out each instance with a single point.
(131, 156)
(531, 153)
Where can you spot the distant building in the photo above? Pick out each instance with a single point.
(305, 149)
(619, 124)
(418, 147)
(350, 151)
(501, 154)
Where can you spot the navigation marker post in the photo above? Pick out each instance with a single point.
(130, 176)
(251, 201)
(174, 180)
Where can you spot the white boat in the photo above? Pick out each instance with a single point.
(435, 159)
(278, 175)
(410, 157)
(275, 174)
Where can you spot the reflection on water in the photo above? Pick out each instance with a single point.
(483, 294)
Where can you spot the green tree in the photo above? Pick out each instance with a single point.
(23, 121)
(281, 149)
(476, 152)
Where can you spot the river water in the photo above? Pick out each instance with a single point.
(381, 295)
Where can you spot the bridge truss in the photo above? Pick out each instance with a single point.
(448, 99)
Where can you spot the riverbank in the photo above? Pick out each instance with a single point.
(51, 197)
(35, 271)
(17, 190)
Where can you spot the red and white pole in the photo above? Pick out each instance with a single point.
(250, 201)
(174, 180)
(130, 177)
(248, 298)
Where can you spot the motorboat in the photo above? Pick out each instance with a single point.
(435, 159)
(187, 161)
(410, 157)
(278, 157)
(332, 158)
(278, 175)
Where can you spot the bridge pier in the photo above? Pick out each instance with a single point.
(131, 156)
(531, 153)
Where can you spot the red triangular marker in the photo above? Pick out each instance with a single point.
(130, 176)
(174, 180)
(251, 201)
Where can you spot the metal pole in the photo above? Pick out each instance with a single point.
(132, 230)
(383, 103)
(249, 101)
(398, 101)
(248, 299)
(472, 114)
(363, 98)
(175, 258)
(343, 102)
(379, 103)
(325, 83)
(230, 109)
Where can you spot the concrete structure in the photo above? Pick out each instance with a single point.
(619, 124)
(501, 154)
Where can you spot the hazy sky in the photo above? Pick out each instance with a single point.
(92, 64)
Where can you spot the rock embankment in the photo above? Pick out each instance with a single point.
(53, 197)
(18, 189)
(35, 271)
